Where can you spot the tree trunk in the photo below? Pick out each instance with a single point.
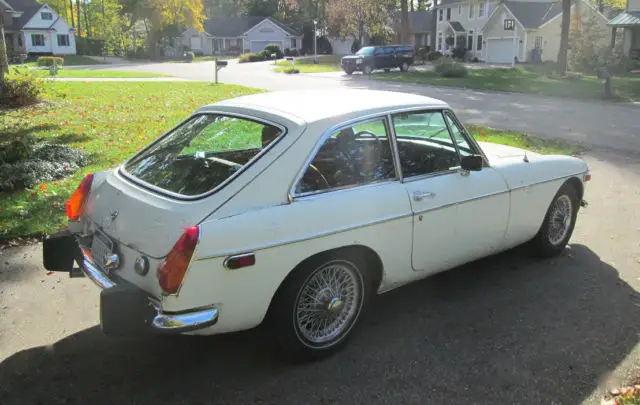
(73, 24)
(434, 24)
(4, 63)
(79, 42)
(601, 6)
(404, 22)
(564, 37)
(87, 22)
(412, 6)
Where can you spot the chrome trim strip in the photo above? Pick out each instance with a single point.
(185, 322)
(344, 188)
(429, 175)
(345, 124)
(121, 168)
(226, 261)
(394, 147)
(462, 201)
(566, 176)
(303, 238)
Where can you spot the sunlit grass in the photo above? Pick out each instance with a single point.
(326, 63)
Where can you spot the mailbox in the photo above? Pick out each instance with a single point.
(221, 63)
(289, 58)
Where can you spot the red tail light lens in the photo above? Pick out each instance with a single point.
(75, 205)
(174, 267)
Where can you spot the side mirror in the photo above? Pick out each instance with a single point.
(471, 163)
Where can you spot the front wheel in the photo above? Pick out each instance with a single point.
(318, 306)
(348, 71)
(367, 70)
(559, 222)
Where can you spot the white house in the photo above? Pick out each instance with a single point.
(480, 26)
(241, 34)
(629, 22)
(36, 29)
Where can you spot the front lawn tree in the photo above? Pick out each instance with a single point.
(357, 18)
(564, 37)
(404, 22)
(4, 62)
(167, 15)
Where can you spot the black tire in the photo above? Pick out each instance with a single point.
(283, 319)
(349, 72)
(544, 244)
(367, 70)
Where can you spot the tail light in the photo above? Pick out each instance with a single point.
(174, 267)
(75, 204)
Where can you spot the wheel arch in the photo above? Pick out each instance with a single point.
(577, 184)
(370, 256)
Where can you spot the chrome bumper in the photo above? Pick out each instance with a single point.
(161, 322)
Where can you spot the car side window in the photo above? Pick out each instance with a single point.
(424, 143)
(464, 147)
(353, 156)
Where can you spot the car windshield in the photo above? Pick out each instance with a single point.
(366, 51)
(201, 153)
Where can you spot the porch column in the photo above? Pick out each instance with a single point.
(613, 37)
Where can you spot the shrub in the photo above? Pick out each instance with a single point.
(291, 70)
(49, 60)
(355, 46)
(447, 67)
(433, 56)
(44, 163)
(324, 46)
(271, 49)
(294, 52)
(189, 56)
(459, 52)
(21, 89)
(287, 52)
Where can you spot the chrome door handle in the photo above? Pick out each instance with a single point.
(419, 195)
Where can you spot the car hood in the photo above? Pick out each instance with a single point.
(495, 151)
(351, 57)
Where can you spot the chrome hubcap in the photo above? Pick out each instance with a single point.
(560, 220)
(328, 302)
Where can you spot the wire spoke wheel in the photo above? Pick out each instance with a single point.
(560, 220)
(328, 303)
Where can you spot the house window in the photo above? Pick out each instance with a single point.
(479, 40)
(440, 41)
(459, 9)
(471, 10)
(294, 45)
(448, 13)
(63, 40)
(440, 14)
(470, 40)
(37, 39)
(481, 7)
(46, 15)
(20, 40)
(538, 42)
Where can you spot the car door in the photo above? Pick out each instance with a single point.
(457, 215)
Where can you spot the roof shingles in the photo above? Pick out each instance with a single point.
(236, 27)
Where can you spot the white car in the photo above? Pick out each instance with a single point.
(293, 209)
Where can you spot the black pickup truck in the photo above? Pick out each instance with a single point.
(387, 57)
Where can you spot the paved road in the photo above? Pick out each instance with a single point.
(507, 330)
(595, 123)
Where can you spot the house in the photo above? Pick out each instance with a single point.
(629, 22)
(240, 34)
(420, 28)
(479, 25)
(35, 29)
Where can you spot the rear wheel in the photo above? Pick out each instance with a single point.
(348, 71)
(559, 222)
(319, 304)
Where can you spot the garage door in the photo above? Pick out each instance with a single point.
(257, 46)
(500, 50)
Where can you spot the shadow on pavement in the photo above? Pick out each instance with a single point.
(507, 329)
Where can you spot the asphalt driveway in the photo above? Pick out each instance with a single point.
(506, 330)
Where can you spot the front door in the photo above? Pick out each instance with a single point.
(457, 216)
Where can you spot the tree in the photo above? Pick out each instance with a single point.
(167, 16)
(404, 22)
(4, 62)
(564, 37)
(357, 18)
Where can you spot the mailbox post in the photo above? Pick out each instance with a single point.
(217, 65)
(292, 60)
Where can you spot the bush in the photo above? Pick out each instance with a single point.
(44, 163)
(21, 89)
(324, 46)
(355, 46)
(447, 67)
(291, 70)
(433, 56)
(189, 56)
(49, 60)
(271, 49)
(294, 52)
(251, 57)
(287, 52)
(459, 52)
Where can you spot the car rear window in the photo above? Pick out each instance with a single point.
(201, 154)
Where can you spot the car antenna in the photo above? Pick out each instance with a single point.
(525, 159)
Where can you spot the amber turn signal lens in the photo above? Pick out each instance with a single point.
(75, 204)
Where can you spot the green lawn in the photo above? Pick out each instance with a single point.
(525, 81)
(109, 121)
(203, 59)
(91, 73)
(326, 63)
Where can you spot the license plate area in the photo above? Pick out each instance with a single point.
(101, 247)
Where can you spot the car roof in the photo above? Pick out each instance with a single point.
(316, 105)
